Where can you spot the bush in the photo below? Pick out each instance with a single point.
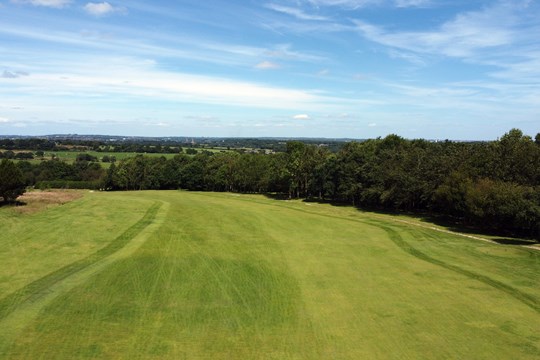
(86, 157)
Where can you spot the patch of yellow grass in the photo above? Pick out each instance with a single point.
(35, 201)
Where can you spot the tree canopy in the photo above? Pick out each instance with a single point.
(494, 185)
(11, 181)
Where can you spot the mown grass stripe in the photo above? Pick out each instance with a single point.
(405, 246)
(38, 288)
(526, 299)
(213, 277)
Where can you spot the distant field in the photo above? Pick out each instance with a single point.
(187, 275)
(70, 156)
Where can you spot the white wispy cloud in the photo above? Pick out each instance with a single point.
(412, 3)
(13, 74)
(46, 3)
(306, 27)
(267, 65)
(407, 56)
(101, 78)
(301, 117)
(159, 123)
(286, 51)
(323, 72)
(202, 118)
(502, 35)
(526, 70)
(328, 24)
(339, 116)
(295, 12)
(463, 36)
(459, 37)
(423, 92)
(474, 100)
(102, 9)
(141, 43)
(353, 4)
(357, 4)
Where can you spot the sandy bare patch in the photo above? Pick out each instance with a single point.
(35, 201)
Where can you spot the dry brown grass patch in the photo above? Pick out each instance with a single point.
(35, 201)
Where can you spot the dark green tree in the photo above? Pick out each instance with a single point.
(173, 172)
(302, 159)
(350, 180)
(11, 181)
(451, 196)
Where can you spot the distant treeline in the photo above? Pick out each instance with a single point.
(20, 155)
(493, 185)
(153, 145)
(41, 145)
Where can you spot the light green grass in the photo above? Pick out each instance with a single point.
(32, 245)
(70, 156)
(224, 276)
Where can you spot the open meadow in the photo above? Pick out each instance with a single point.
(69, 157)
(192, 275)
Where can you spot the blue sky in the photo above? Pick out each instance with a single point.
(439, 69)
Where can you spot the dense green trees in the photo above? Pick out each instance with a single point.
(11, 181)
(55, 173)
(494, 185)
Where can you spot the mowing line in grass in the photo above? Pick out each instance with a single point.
(49, 287)
(402, 244)
(38, 288)
(405, 246)
(245, 277)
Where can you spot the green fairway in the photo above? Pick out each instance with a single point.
(187, 275)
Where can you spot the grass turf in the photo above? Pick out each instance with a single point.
(236, 276)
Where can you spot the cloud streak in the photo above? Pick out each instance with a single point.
(45, 3)
(143, 44)
(102, 9)
(352, 4)
(267, 65)
(412, 3)
(502, 36)
(460, 37)
(13, 74)
(141, 79)
(295, 12)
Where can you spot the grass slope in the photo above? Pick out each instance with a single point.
(224, 276)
